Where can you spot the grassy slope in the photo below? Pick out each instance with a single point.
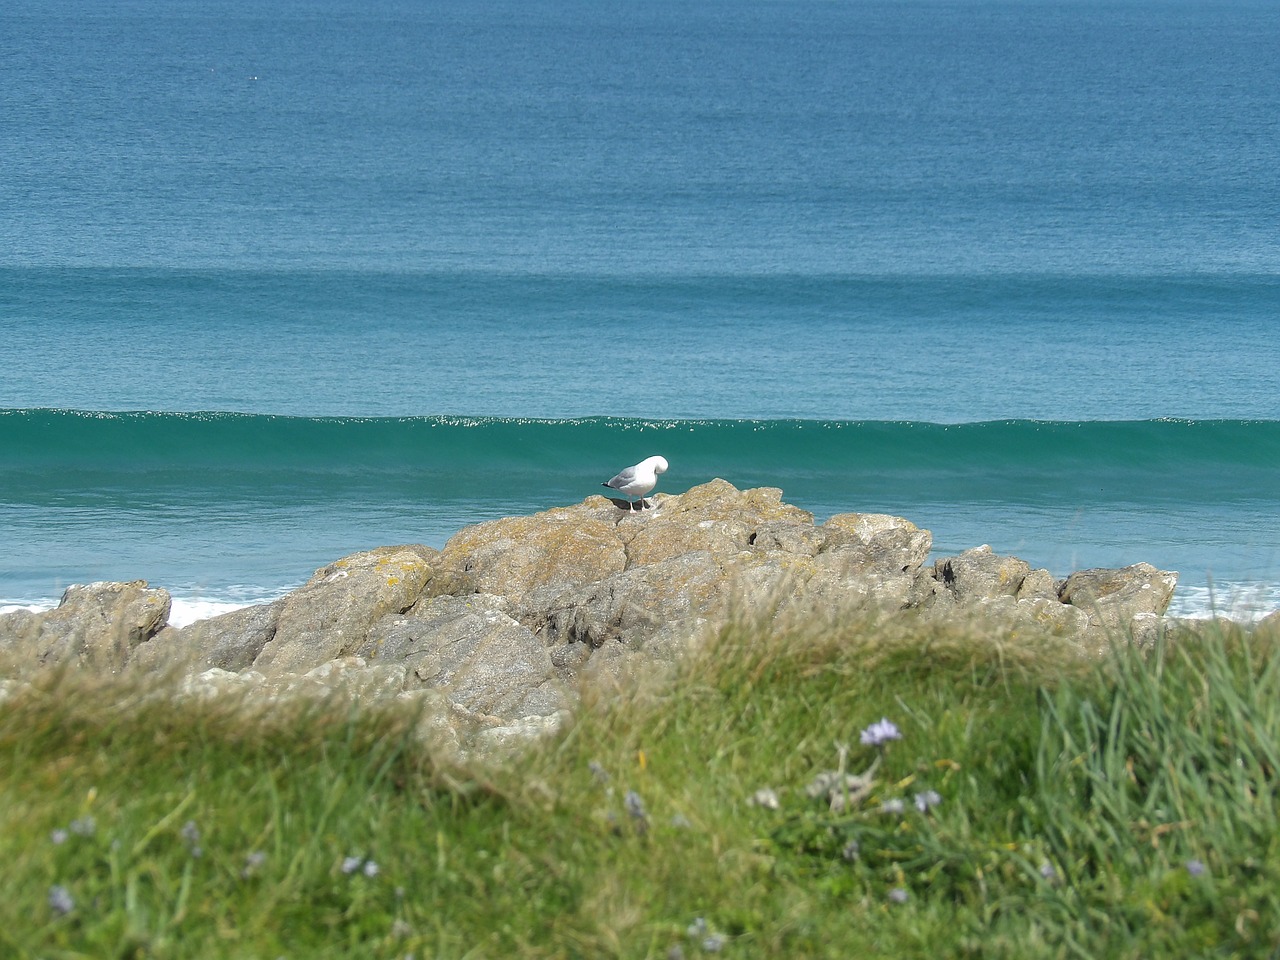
(1073, 797)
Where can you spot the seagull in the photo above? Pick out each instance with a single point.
(639, 479)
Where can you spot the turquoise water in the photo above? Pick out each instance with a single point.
(282, 283)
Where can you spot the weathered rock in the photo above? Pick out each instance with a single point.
(1145, 629)
(1112, 598)
(1037, 614)
(789, 537)
(855, 578)
(216, 682)
(636, 604)
(979, 574)
(1039, 585)
(514, 556)
(96, 625)
(330, 616)
(854, 562)
(229, 641)
(714, 518)
(501, 742)
(351, 677)
(17, 628)
(482, 659)
(883, 540)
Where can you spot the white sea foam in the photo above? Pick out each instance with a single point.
(33, 607)
(1242, 602)
(186, 611)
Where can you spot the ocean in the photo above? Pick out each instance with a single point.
(283, 282)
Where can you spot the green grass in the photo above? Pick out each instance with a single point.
(1075, 793)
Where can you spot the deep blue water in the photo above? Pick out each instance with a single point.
(678, 217)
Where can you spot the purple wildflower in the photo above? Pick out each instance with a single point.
(635, 805)
(880, 733)
(60, 900)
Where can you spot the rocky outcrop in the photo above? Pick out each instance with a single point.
(1113, 598)
(98, 625)
(507, 621)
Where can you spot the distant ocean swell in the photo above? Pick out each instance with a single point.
(48, 453)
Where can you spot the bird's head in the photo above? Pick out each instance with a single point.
(659, 464)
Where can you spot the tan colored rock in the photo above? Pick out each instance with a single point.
(1039, 585)
(980, 574)
(514, 556)
(885, 540)
(96, 625)
(851, 579)
(330, 616)
(714, 517)
(1112, 598)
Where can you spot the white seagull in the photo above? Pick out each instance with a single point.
(638, 480)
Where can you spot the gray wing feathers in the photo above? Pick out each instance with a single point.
(622, 479)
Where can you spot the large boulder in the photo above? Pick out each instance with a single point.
(330, 615)
(1013, 616)
(715, 518)
(473, 652)
(879, 540)
(514, 556)
(867, 562)
(636, 604)
(230, 641)
(96, 625)
(1112, 598)
(980, 574)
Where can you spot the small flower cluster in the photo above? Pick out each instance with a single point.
(60, 900)
(364, 865)
(710, 941)
(635, 810)
(84, 826)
